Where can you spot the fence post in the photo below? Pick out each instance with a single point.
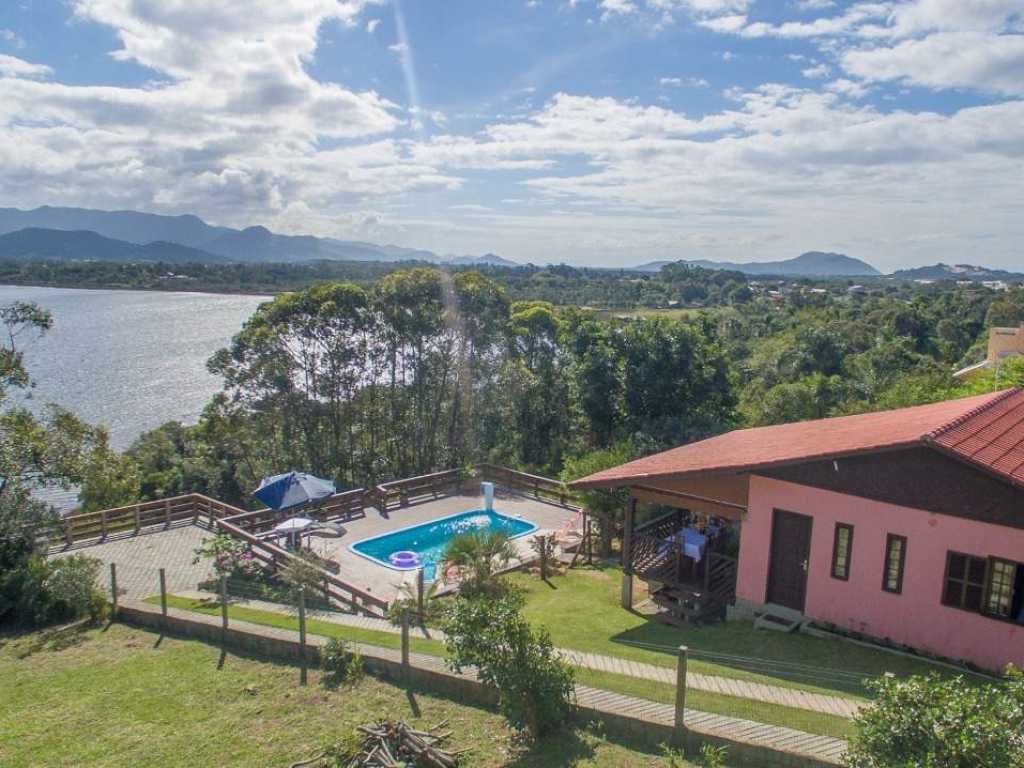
(138, 519)
(103, 524)
(113, 590)
(167, 512)
(302, 635)
(681, 661)
(224, 608)
(68, 537)
(420, 597)
(163, 595)
(405, 644)
(544, 558)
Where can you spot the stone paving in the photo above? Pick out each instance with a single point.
(139, 558)
(769, 694)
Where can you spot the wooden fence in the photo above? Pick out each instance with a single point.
(402, 493)
(541, 488)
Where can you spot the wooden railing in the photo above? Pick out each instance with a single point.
(340, 507)
(335, 589)
(192, 507)
(402, 493)
(542, 488)
(219, 516)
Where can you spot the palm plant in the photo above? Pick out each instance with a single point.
(477, 557)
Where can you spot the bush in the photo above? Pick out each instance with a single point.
(941, 723)
(535, 687)
(73, 589)
(341, 662)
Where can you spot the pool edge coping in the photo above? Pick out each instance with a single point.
(534, 527)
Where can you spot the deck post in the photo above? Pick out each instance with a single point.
(113, 591)
(627, 555)
(302, 636)
(405, 644)
(680, 725)
(163, 596)
(420, 595)
(224, 608)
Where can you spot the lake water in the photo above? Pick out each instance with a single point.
(128, 359)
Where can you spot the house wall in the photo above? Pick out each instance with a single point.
(916, 617)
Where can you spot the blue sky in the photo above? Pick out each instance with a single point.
(605, 132)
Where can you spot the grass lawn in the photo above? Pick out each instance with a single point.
(826, 725)
(581, 610)
(124, 697)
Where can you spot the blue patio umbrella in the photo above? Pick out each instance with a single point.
(292, 489)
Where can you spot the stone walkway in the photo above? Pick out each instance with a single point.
(787, 746)
(768, 694)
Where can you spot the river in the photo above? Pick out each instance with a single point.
(130, 360)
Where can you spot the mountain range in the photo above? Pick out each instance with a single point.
(809, 264)
(123, 231)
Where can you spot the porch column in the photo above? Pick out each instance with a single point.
(627, 555)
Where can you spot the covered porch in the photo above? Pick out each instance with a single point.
(682, 537)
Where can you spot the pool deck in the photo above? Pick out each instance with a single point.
(140, 556)
(386, 582)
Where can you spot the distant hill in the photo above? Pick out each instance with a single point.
(253, 244)
(81, 245)
(957, 272)
(810, 264)
(489, 259)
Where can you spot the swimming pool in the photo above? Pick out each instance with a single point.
(430, 540)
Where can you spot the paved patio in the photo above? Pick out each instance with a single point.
(139, 557)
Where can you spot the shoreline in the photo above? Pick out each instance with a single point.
(212, 291)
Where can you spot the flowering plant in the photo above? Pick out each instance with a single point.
(230, 556)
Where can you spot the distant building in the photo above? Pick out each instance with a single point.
(1002, 343)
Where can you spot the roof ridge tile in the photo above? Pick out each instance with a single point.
(971, 414)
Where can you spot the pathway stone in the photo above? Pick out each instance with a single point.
(768, 694)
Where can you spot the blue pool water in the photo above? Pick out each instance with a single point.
(430, 540)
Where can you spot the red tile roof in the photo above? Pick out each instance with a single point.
(985, 430)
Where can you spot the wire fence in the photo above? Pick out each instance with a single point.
(808, 674)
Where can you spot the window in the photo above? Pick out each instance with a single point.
(1001, 589)
(895, 558)
(842, 548)
(965, 581)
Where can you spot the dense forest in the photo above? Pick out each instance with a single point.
(410, 370)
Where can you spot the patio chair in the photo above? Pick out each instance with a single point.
(327, 530)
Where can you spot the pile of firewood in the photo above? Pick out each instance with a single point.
(395, 744)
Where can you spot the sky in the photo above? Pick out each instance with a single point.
(600, 132)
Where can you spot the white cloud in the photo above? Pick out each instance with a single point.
(946, 60)
(930, 43)
(399, 48)
(371, 25)
(787, 167)
(11, 66)
(817, 72)
(680, 82)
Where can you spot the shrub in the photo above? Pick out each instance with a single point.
(302, 572)
(478, 557)
(941, 723)
(341, 662)
(72, 584)
(535, 687)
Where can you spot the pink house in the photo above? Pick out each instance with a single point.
(904, 526)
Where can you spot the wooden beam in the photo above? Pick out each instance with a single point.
(627, 555)
(691, 501)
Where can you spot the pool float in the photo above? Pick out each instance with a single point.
(405, 559)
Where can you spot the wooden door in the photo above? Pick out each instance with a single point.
(790, 555)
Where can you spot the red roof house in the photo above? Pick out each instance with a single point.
(906, 526)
